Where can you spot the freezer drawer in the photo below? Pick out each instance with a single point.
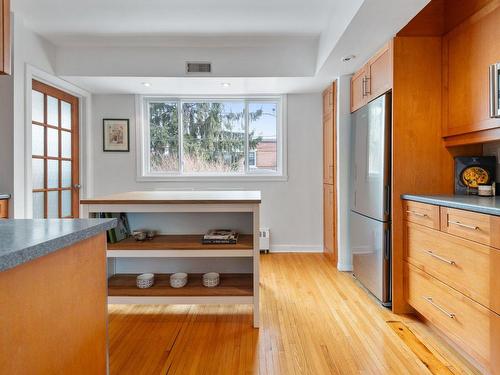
(370, 247)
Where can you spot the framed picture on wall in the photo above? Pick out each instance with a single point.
(115, 135)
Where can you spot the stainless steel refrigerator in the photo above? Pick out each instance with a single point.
(370, 219)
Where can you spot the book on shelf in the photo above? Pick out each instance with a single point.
(220, 236)
(122, 229)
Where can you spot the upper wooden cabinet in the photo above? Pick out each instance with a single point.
(5, 42)
(373, 79)
(468, 51)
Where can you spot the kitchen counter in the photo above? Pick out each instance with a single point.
(25, 240)
(4, 196)
(474, 203)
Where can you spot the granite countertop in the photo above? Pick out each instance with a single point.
(484, 205)
(24, 240)
(4, 196)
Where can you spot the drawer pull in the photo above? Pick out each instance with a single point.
(450, 262)
(449, 314)
(463, 225)
(416, 213)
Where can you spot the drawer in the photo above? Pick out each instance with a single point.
(476, 227)
(4, 208)
(469, 267)
(471, 326)
(422, 213)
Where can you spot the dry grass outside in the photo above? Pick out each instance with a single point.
(193, 164)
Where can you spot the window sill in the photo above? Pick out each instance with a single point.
(208, 178)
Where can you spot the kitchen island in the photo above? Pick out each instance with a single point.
(53, 311)
(180, 218)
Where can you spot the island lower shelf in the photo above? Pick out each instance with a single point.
(180, 246)
(121, 287)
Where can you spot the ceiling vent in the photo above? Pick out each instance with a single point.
(198, 67)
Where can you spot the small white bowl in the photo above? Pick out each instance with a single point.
(178, 280)
(211, 279)
(145, 280)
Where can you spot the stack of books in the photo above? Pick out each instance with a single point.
(220, 236)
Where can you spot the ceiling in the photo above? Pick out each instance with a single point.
(198, 85)
(72, 21)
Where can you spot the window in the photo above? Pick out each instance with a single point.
(233, 137)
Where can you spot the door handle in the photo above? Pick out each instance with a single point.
(450, 262)
(367, 83)
(77, 186)
(416, 213)
(458, 223)
(449, 314)
(363, 88)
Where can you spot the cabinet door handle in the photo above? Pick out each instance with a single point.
(363, 87)
(449, 314)
(458, 223)
(450, 262)
(416, 213)
(367, 85)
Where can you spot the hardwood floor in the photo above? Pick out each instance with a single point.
(314, 320)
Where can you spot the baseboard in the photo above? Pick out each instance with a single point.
(283, 248)
(343, 267)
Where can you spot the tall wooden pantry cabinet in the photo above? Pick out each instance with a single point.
(329, 171)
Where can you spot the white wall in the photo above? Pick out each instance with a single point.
(493, 149)
(28, 48)
(343, 172)
(291, 209)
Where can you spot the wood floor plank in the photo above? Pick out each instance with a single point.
(314, 320)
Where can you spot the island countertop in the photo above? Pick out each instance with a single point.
(178, 197)
(474, 203)
(24, 240)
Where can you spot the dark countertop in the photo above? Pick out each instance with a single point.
(4, 196)
(483, 205)
(24, 240)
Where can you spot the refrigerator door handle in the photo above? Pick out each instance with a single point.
(387, 199)
(387, 249)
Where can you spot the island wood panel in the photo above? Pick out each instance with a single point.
(54, 312)
(468, 51)
(4, 208)
(420, 162)
(5, 38)
(178, 197)
(230, 285)
(181, 242)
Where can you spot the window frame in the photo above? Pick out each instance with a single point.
(143, 140)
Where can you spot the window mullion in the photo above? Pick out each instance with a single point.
(181, 136)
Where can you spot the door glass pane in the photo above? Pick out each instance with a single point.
(52, 174)
(53, 204)
(38, 206)
(37, 173)
(37, 106)
(66, 174)
(37, 140)
(66, 144)
(52, 142)
(65, 115)
(52, 111)
(66, 203)
(262, 136)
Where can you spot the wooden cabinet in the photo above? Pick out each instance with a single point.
(328, 218)
(4, 208)
(373, 79)
(451, 277)
(468, 51)
(423, 214)
(5, 38)
(329, 169)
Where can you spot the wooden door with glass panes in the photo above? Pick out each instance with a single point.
(55, 140)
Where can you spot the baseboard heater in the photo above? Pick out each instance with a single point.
(264, 239)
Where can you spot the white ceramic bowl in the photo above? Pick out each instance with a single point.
(145, 280)
(211, 279)
(178, 280)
